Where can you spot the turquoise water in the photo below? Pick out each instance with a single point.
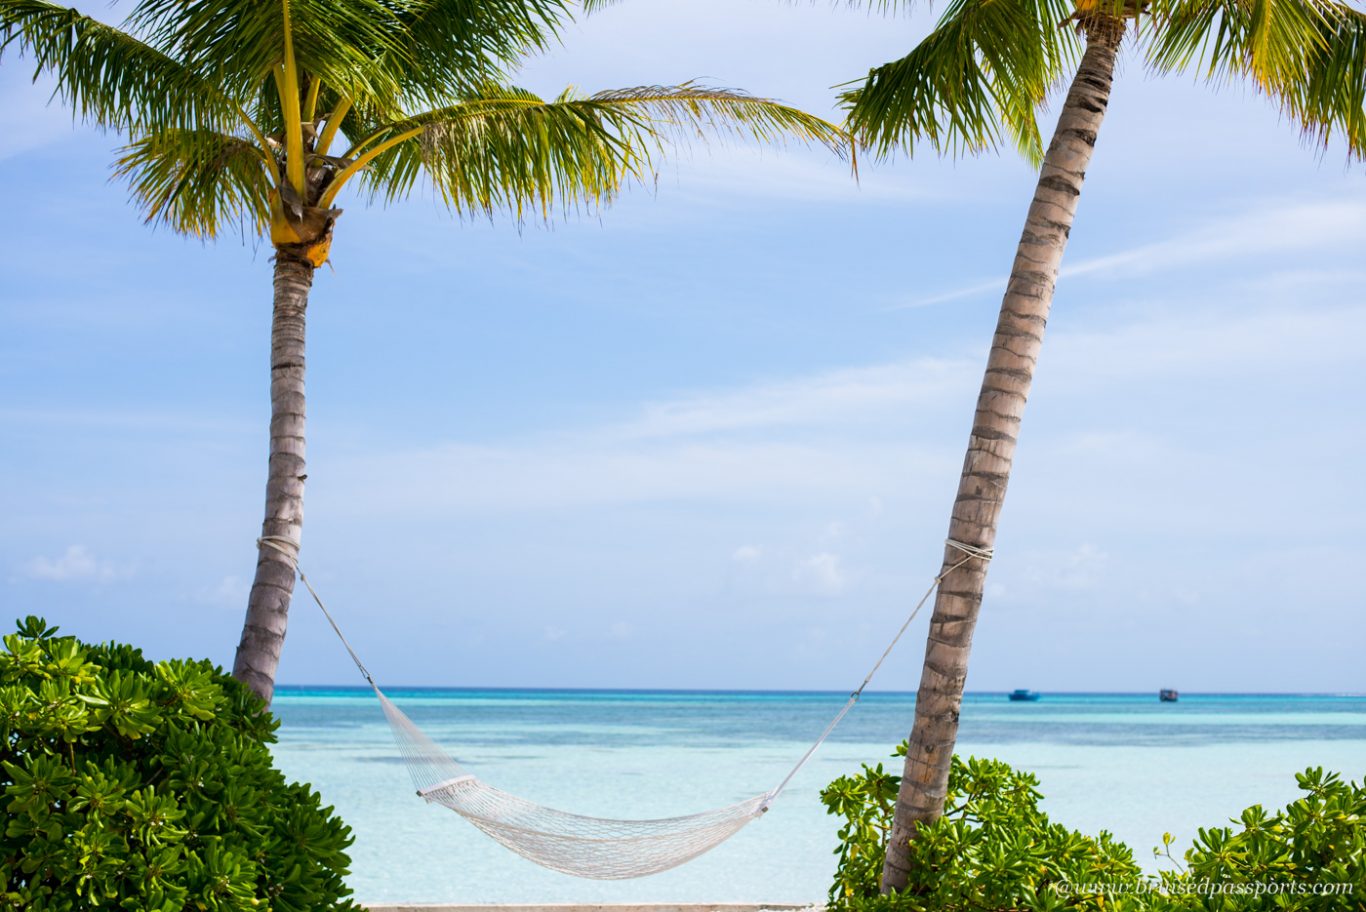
(1123, 762)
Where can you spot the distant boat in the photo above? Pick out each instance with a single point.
(1168, 696)
(1024, 695)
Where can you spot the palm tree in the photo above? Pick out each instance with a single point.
(260, 113)
(977, 81)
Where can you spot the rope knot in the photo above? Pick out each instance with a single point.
(971, 550)
(288, 547)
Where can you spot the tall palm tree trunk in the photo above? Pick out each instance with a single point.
(263, 631)
(991, 447)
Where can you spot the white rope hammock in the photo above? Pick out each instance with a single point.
(592, 847)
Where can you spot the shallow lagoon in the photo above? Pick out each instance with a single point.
(1120, 761)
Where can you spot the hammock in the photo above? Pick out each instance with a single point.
(571, 843)
(591, 847)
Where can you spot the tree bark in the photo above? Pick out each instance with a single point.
(991, 446)
(263, 631)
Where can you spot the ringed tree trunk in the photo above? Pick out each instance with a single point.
(263, 631)
(991, 447)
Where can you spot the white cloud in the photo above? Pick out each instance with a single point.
(228, 592)
(842, 394)
(1215, 342)
(727, 174)
(1273, 228)
(747, 554)
(77, 563)
(822, 573)
(993, 286)
(1082, 568)
(841, 437)
(587, 470)
(66, 420)
(834, 531)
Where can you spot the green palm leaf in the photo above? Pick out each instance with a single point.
(1334, 96)
(461, 44)
(106, 75)
(198, 182)
(240, 43)
(1309, 55)
(972, 84)
(508, 149)
(1268, 40)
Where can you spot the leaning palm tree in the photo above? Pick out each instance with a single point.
(977, 81)
(261, 113)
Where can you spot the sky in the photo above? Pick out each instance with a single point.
(709, 437)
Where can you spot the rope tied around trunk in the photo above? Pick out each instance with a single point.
(290, 549)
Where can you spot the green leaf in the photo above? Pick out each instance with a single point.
(507, 149)
(973, 83)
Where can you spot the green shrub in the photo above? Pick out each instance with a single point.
(993, 848)
(1278, 861)
(149, 786)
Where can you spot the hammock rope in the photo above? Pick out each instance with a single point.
(591, 847)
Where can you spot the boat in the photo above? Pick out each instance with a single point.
(1024, 695)
(1167, 695)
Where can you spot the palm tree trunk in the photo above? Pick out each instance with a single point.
(263, 631)
(991, 447)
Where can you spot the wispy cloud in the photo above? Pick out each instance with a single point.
(588, 470)
(1076, 570)
(822, 573)
(228, 592)
(69, 419)
(842, 394)
(1271, 228)
(76, 564)
(744, 173)
(844, 435)
(1298, 332)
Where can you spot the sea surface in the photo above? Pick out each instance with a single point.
(1122, 762)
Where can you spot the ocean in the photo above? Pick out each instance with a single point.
(1122, 762)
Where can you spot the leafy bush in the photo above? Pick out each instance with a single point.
(1318, 841)
(992, 849)
(141, 786)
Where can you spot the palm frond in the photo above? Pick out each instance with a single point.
(974, 82)
(197, 182)
(108, 76)
(885, 7)
(1267, 40)
(508, 149)
(877, 6)
(1333, 98)
(1308, 55)
(239, 43)
(695, 111)
(454, 46)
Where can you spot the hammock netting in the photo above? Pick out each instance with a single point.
(590, 847)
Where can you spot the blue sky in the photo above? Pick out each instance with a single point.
(709, 437)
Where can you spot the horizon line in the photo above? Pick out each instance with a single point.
(364, 688)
